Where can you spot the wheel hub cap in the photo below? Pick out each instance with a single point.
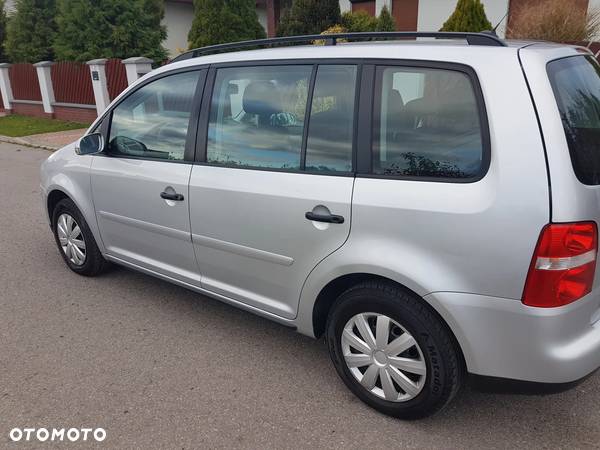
(383, 357)
(71, 239)
(380, 358)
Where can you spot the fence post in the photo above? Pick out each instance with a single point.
(136, 67)
(99, 83)
(5, 88)
(44, 74)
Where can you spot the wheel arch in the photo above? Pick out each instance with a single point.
(54, 196)
(329, 293)
(66, 189)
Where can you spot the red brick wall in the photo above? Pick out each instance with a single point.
(406, 14)
(73, 114)
(29, 109)
(368, 7)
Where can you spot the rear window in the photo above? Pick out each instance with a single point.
(576, 85)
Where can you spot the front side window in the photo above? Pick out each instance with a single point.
(153, 121)
(257, 116)
(576, 85)
(426, 124)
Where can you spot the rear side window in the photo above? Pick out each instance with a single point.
(426, 124)
(576, 85)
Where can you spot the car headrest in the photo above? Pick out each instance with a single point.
(261, 98)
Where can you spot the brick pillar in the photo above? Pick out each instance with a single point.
(5, 88)
(136, 67)
(99, 83)
(43, 69)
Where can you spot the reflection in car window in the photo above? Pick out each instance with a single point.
(153, 121)
(576, 85)
(330, 129)
(257, 116)
(426, 124)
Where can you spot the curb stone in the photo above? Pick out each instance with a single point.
(25, 142)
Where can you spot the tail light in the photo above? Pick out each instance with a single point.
(563, 265)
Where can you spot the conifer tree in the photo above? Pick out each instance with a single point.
(385, 21)
(92, 29)
(469, 16)
(221, 21)
(309, 17)
(30, 31)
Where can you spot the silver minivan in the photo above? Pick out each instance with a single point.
(429, 206)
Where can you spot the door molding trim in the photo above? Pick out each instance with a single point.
(148, 226)
(242, 250)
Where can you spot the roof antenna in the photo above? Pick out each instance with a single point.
(498, 24)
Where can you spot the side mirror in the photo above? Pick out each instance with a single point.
(90, 144)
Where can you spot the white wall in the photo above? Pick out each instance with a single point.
(594, 4)
(379, 4)
(262, 17)
(345, 5)
(178, 20)
(433, 13)
(9, 6)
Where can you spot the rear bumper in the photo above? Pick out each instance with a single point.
(504, 338)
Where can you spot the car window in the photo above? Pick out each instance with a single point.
(331, 124)
(257, 116)
(426, 124)
(153, 121)
(576, 85)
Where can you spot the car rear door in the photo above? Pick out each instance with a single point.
(271, 195)
(140, 182)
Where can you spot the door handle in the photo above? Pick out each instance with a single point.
(329, 218)
(172, 196)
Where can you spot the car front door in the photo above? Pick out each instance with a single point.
(140, 182)
(272, 192)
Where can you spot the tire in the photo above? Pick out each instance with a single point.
(93, 263)
(434, 354)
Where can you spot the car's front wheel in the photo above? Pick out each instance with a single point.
(75, 240)
(392, 351)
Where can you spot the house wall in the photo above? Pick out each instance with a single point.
(178, 19)
(368, 7)
(406, 14)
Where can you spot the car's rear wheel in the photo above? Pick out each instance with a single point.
(75, 240)
(392, 351)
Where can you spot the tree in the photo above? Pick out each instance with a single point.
(385, 21)
(309, 17)
(221, 21)
(92, 29)
(359, 21)
(30, 31)
(469, 15)
(2, 31)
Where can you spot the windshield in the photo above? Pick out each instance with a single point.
(576, 84)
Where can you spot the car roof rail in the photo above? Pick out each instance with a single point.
(487, 38)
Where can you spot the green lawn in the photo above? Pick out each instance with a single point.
(15, 125)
